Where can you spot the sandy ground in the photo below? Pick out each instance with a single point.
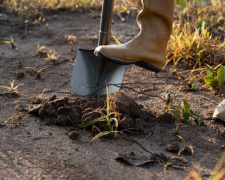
(34, 150)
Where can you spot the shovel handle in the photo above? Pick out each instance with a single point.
(106, 21)
(104, 34)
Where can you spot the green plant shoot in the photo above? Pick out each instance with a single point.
(186, 147)
(195, 85)
(215, 81)
(176, 112)
(186, 110)
(109, 117)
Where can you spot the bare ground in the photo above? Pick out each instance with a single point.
(36, 150)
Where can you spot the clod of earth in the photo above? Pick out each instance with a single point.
(74, 135)
(173, 147)
(57, 111)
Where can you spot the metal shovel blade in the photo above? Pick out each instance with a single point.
(85, 80)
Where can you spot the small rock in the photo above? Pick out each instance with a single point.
(74, 135)
(173, 147)
(52, 98)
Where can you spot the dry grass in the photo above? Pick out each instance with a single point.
(30, 8)
(197, 42)
(196, 38)
(218, 173)
(198, 27)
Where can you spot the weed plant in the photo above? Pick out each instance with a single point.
(12, 88)
(108, 117)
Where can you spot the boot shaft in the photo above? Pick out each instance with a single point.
(155, 21)
(148, 48)
(157, 13)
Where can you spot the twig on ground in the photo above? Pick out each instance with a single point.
(126, 137)
(49, 63)
(126, 87)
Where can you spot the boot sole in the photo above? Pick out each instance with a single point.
(142, 64)
(218, 120)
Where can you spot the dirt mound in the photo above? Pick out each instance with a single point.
(71, 111)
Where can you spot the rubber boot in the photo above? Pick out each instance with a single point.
(219, 113)
(148, 48)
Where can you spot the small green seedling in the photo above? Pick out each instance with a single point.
(109, 117)
(168, 100)
(167, 165)
(12, 89)
(195, 85)
(186, 109)
(215, 80)
(186, 148)
(186, 112)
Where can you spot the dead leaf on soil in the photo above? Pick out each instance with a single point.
(140, 160)
(135, 160)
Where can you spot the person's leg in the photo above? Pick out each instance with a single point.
(148, 48)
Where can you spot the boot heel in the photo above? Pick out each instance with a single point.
(148, 66)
